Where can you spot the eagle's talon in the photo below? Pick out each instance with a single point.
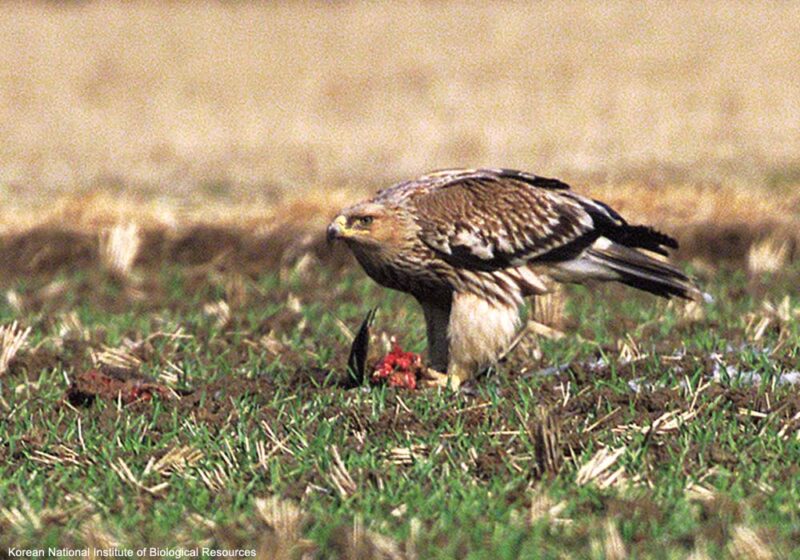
(432, 378)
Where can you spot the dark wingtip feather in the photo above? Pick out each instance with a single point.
(643, 237)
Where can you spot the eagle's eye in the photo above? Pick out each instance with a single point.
(365, 220)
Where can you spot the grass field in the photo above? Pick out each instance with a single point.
(174, 329)
(653, 430)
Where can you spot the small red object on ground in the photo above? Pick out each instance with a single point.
(398, 369)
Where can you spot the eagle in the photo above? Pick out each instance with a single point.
(471, 244)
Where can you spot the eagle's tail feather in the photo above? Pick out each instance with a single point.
(638, 270)
(609, 261)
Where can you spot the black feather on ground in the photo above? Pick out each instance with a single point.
(357, 360)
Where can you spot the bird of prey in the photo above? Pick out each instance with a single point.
(471, 244)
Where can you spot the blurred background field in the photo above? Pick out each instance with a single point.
(249, 116)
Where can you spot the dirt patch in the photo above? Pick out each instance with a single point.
(119, 385)
(48, 250)
(731, 243)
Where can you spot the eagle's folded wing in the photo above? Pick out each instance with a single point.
(493, 219)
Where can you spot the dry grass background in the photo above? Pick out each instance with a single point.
(686, 114)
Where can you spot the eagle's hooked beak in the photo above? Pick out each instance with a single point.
(337, 228)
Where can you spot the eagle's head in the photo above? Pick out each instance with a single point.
(364, 225)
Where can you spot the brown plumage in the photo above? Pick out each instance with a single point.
(471, 244)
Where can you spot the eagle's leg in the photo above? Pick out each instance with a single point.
(479, 330)
(437, 317)
(437, 321)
